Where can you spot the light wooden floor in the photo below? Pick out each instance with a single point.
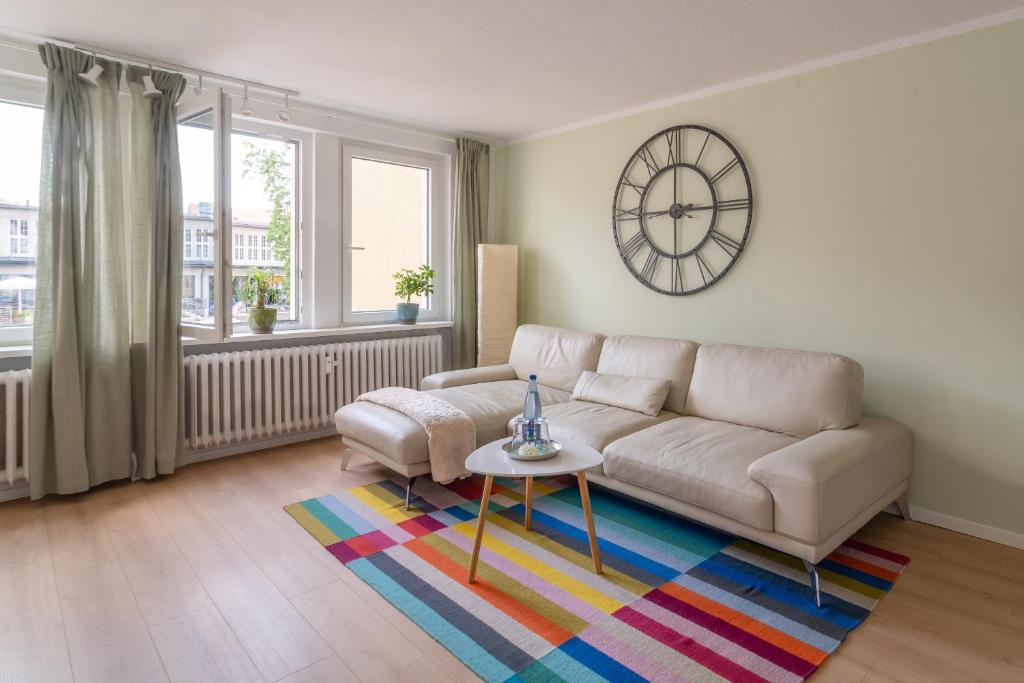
(202, 577)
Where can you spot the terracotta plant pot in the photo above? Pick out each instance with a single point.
(406, 314)
(262, 320)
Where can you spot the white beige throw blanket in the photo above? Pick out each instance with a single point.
(451, 434)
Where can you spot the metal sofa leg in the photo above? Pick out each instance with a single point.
(408, 491)
(815, 581)
(903, 503)
(346, 457)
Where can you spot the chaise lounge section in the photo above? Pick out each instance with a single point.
(766, 444)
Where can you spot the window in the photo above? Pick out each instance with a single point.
(264, 192)
(196, 150)
(394, 218)
(21, 134)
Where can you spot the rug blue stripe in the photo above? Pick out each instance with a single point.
(800, 599)
(856, 574)
(329, 520)
(600, 663)
(609, 550)
(500, 647)
(459, 643)
(651, 521)
(346, 514)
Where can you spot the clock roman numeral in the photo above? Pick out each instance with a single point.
(733, 204)
(633, 245)
(639, 189)
(678, 281)
(650, 266)
(675, 147)
(650, 161)
(702, 147)
(705, 270)
(627, 214)
(728, 244)
(724, 170)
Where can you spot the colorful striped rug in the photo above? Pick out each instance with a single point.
(676, 601)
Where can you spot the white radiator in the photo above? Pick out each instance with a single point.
(241, 396)
(14, 394)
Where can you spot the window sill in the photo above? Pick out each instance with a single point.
(304, 333)
(23, 351)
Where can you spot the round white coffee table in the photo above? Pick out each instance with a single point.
(491, 461)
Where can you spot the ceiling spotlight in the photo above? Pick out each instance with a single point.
(198, 87)
(91, 77)
(149, 88)
(246, 110)
(284, 114)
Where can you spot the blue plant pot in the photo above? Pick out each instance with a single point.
(407, 313)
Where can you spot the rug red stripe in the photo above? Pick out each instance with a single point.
(877, 552)
(710, 660)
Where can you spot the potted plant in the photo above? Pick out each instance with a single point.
(260, 291)
(410, 283)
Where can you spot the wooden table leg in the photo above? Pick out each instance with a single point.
(480, 526)
(595, 553)
(529, 503)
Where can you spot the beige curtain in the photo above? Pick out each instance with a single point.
(472, 178)
(156, 228)
(80, 429)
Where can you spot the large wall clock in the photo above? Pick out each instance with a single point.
(682, 210)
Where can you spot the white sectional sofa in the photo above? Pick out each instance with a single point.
(766, 444)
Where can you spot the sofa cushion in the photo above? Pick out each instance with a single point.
(701, 462)
(798, 393)
(670, 359)
(558, 357)
(639, 394)
(395, 435)
(492, 404)
(595, 424)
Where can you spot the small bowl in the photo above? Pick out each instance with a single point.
(538, 450)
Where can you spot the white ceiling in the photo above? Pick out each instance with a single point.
(501, 68)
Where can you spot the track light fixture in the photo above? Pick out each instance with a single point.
(246, 110)
(92, 75)
(149, 88)
(284, 114)
(198, 87)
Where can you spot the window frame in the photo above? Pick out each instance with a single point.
(300, 209)
(24, 93)
(438, 237)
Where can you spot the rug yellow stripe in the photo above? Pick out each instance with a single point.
(581, 560)
(383, 502)
(553, 576)
(523, 594)
(311, 524)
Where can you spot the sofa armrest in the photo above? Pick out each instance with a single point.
(822, 482)
(456, 378)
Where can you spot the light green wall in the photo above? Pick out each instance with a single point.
(889, 227)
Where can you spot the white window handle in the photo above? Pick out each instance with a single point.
(351, 248)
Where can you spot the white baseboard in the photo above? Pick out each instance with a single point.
(964, 526)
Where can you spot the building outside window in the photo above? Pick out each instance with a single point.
(21, 134)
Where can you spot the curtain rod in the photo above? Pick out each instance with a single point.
(138, 60)
(32, 41)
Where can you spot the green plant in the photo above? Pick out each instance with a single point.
(410, 283)
(271, 167)
(260, 288)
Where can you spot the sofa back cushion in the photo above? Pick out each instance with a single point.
(799, 393)
(670, 359)
(639, 394)
(558, 357)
